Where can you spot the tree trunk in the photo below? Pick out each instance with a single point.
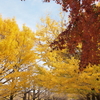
(33, 94)
(29, 96)
(38, 94)
(88, 97)
(93, 96)
(24, 98)
(98, 96)
(11, 97)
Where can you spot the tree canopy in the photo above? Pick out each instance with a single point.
(55, 58)
(83, 29)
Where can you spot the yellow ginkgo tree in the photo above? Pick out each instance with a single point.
(17, 56)
(59, 70)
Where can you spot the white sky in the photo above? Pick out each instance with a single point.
(28, 12)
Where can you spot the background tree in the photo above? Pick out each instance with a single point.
(62, 73)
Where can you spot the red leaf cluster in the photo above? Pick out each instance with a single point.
(84, 28)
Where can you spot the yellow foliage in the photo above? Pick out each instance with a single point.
(98, 4)
(26, 59)
(16, 56)
(64, 74)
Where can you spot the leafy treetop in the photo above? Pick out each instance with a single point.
(83, 29)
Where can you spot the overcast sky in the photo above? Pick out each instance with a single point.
(28, 12)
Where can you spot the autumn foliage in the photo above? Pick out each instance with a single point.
(30, 69)
(62, 74)
(83, 29)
